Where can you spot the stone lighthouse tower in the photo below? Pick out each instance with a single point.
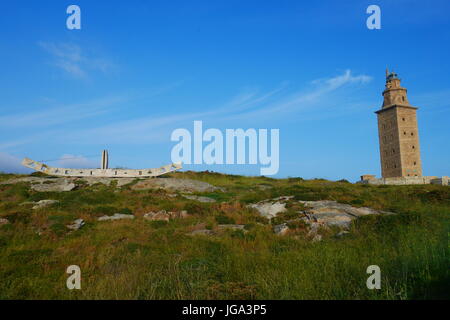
(398, 132)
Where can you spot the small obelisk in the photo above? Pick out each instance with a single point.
(104, 164)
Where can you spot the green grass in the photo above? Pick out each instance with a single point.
(138, 259)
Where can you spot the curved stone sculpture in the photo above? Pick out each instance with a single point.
(110, 173)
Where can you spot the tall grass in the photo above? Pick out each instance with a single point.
(142, 260)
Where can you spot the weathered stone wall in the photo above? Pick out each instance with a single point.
(411, 164)
(408, 180)
(389, 143)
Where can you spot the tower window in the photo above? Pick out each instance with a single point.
(403, 98)
(403, 119)
(413, 147)
(414, 163)
(404, 132)
(412, 133)
(393, 150)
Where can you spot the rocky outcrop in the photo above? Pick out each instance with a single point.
(183, 185)
(41, 204)
(232, 227)
(270, 208)
(76, 225)
(205, 232)
(107, 181)
(198, 198)
(163, 215)
(47, 184)
(157, 216)
(281, 229)
(42, 184)
(59, 185)
(316, 214)
(326, 206)
(116, 216)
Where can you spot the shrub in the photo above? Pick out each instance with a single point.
(105, 210)
(223, 219)
(158, 224)
(125, 211)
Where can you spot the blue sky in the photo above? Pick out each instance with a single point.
(137, 70)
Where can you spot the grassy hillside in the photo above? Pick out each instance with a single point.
(139, 259)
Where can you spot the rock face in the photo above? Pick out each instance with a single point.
(116, 216)
(183, 185)
(270, 208)
(199, 198)
(3, 221)
(77, 224)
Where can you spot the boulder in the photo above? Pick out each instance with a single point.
(58, 185)
(157, 216)
(269, 209)
(329, 219)
(281, 229)
(333, 206)
(77, 224)
(3, 221)
(342, 233)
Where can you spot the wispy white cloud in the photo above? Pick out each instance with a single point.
(74, 161)
(65, 113)
(250, 104)
(11, 164)
(321, 89)
(70, 58)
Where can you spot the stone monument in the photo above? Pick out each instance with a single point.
(103, 171)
